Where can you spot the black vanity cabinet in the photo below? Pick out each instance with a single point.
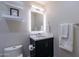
(42, 48)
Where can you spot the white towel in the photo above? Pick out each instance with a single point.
(64, 30)
(66, 42)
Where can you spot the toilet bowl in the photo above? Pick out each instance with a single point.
(14, 51)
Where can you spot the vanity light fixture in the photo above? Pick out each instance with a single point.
(38, 8)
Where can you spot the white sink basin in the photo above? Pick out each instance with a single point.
(41, 36)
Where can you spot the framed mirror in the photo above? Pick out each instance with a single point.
(37, 21)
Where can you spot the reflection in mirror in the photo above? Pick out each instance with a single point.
(37, 21)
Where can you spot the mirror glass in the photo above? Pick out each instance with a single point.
(36, 21)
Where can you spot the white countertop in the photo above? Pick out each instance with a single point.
(41, 36)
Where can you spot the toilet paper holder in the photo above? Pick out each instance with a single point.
(31, 47)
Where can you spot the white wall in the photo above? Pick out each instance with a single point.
(63, 12)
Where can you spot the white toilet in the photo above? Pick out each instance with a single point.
(14, 51)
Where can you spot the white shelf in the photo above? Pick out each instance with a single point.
(15, 6)
(17, 18)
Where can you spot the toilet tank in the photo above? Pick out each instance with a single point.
(14, 51)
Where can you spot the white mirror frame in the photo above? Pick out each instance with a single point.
(33, 9)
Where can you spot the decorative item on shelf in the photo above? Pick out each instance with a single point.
(14, 12)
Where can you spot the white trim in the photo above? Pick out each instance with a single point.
(29, 20)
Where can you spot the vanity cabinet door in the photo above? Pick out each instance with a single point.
(44, 48)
